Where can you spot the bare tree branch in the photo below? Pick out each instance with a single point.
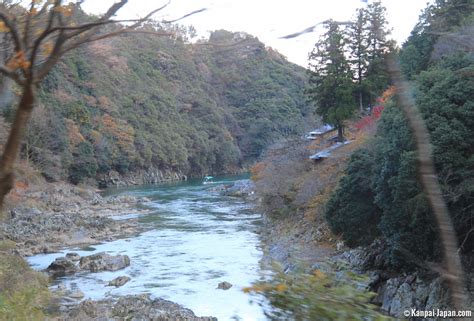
(52, 25)
(12, 30)
(8, 73)
(185, 16)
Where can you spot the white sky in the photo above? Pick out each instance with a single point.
(270, 19)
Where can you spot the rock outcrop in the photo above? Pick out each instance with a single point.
(62, 266)
(119, 281)
(140, 177)
(396, 292)
(244, 188)
(104, 262)
(224, 285)
(132, 307)
(58, 215)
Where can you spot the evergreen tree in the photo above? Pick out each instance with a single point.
(330, 80)
(378, 47)
(358, 45)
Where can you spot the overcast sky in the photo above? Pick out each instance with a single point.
(270, 19)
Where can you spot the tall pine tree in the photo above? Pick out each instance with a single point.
(358, 44)
(378, 47)
(331, 87)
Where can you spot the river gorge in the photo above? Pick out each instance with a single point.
(192, 238)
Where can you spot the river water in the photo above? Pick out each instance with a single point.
(194, 239)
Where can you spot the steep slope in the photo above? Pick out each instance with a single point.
(147, 103)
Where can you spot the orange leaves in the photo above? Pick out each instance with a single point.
(47, 49)
(21, 185)
(18, 61)
(257, 170)
(96, 137)
(264, 287)
(66, 10)
(74, 135)
(387, 94)
(3, 27)
(319, 275)
(281, 287)
(121, 131)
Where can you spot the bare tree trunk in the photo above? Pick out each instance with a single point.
(361, 106)
(453, 273)
(340, 133)
(13, 144)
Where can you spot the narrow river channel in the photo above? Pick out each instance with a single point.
(194, 239)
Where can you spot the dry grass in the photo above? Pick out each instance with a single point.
(24, 293)
(295, 189)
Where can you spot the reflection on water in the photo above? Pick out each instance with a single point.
(194, 240)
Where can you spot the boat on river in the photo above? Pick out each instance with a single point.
(208, 180)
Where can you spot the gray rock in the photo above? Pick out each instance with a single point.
(73, 256)
(104, 262)
(438, 296)
(62, 266)
(340, 246)
(77, 294)
(387, 292)
(132, 307)
(403, 300)
(224, 285)
(242, 188)
(119, 281)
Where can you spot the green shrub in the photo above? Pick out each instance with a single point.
(84, 165)
(24, 293)
(317, 296)
(351, 211)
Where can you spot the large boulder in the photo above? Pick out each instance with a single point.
(104, 262)
(224, 285)
(131, 307)
(242, 188)
(73, 256)
(119, 281)
(62, 266)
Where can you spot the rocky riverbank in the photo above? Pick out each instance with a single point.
(50, 217)
(243, 188)
(53, 216)
(140, 177)
(299, 243)
(130, 307)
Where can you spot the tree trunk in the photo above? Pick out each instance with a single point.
(13, 144)
(359, 74)
(340, 133)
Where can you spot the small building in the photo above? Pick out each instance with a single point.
(325, 153)
(320, 131)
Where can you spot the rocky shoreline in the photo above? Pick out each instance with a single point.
(298, 245)
(51, 217)
(59, 215)
(140, 177)
(130, 307)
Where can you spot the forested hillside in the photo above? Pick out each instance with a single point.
(141, 101)
(381, 188)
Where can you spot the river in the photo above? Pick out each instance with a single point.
(194, 238)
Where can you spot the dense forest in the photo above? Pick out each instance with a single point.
(142, 101)
(381, 193)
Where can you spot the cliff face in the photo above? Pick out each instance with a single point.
(138, 102)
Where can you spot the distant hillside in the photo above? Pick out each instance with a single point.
(141, 101)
